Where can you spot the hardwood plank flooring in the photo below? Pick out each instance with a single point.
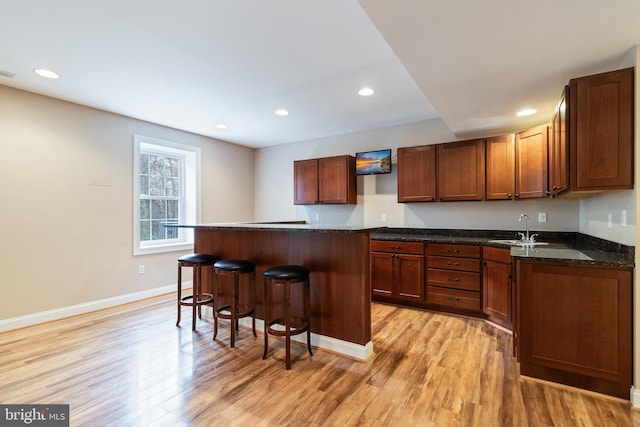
(130, 366)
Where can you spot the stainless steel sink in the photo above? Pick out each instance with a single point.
(518, 243)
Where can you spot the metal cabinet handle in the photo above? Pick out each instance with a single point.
(453, 263)
(453, 279)
(509, 195)
(455, 251)
(452, 298)
(394, 247)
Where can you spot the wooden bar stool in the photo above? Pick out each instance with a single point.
(283, 276)
(198, 298)
(237, 308)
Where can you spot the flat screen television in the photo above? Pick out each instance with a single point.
(373, 162)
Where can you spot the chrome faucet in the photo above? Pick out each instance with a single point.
(525, 235)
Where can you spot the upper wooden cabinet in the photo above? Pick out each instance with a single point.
(417, 174)
(305, 182)
(531, 163)
(558, 148)
(328, 180)
(461, 171)
(601, 131)
(500, 167)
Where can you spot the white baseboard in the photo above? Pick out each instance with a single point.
(334, 345)
(635, 397)
(59, 313)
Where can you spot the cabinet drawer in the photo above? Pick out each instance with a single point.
(447, 263)
(416, 248)
(454, 279)
(490, 253)
(465, 251)
(467, 300)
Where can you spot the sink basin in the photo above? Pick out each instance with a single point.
(517, 243)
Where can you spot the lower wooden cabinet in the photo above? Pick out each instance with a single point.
(496, 285)
(397, 271)
(575, 325)
(453, 277)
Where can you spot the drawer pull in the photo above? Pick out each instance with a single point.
(452, 298)
(453, 263)
(455, 251)
(394, 247)
(453, 279)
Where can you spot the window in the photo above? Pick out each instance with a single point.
(166, 191)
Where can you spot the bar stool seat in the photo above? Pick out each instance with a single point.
(235, 309)
(286, 275)
(198, 298)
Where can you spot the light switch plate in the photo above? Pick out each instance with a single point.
(542, 217)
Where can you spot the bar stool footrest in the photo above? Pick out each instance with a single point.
(203, 300)
(297, 326)
(239, 315)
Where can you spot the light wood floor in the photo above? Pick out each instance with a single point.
(130, 366)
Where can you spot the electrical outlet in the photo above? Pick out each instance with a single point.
(317, 217)
(609, 220)
(383, 217)
(623, 218)
(542, 217)
(141, 269)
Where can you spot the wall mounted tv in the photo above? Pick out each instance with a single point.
(373, 162)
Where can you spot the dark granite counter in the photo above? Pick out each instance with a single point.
(570, 247)
(283, 226)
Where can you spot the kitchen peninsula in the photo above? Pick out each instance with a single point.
(338, 258)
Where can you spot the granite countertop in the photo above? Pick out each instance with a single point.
(570, 247)
(283, 226)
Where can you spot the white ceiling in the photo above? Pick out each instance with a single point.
(196, 63)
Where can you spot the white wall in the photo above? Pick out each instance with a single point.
(66, 241)
(377, 195)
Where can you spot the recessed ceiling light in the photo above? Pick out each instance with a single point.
(526, 112)
(222, 126)
(366, 91)
(281, 112)
(42, 72)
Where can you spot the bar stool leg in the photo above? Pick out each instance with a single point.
(215, 305)
(287, 322)
(265, 302)
(233, 321)
(194, 299)
(179, 293)
(252, 293)
(307, 313)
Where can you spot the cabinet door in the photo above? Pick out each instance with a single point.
(531, 163)
(461, 171)
(601, 131)
(417, 174)
(500, 164)
(382, 274)
(409, 277)
(558, 148)
(575, 325)
(336, 180)
(305, 182)
(496, 292)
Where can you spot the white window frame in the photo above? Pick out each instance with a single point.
(189, 211)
